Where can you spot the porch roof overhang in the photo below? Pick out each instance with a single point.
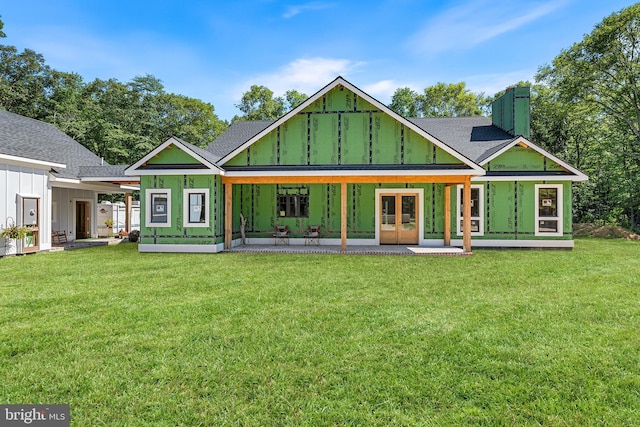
(349, 174)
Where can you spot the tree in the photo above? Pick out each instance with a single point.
(598, 81)
(440, 100)
(293, 98)
(2, 34)
(406, 102)
(258, 103)
(24, 82)
(452, 100)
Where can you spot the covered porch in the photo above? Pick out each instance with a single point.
(445, 177)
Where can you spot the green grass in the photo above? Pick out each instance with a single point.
(500, 338)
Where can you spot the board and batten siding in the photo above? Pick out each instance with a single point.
(15, 181)
(63, 210)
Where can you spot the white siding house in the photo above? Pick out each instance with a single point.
(50, 182)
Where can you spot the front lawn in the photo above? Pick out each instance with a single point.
(500, 338)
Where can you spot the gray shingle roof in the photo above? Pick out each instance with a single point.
(236, 135)
(473, 137)
(24, 137)
(104, 171)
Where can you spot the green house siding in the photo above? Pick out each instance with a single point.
(177, 233)
(521, 159)
(172, 155)
(258, 203)
(510, 208)
(341, 129)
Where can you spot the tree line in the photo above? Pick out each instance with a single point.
(585, 109)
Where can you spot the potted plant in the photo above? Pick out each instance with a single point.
(11, 234)
(134, 235)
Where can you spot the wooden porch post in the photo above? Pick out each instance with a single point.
(447, 215)
(228, 215)
(343, 218)
(466, 234)
(127, 212)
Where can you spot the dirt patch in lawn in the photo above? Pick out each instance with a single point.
(604, 231)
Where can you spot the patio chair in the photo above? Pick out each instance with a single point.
(59, 237)
(312, 235)
(281, 234)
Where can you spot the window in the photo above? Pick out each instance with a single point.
(293, 202)
(196, 207)
(549, 210)
(158, 212)
(477, 210)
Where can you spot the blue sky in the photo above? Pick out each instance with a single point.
(215, 50)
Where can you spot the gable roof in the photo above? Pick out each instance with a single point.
(206, 158)
(32, 139)
(577, 174)
(237, 147)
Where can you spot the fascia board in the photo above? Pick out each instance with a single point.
(512, 178)
(109, 179)
(130, 187)
(95, 186)
(145, 172)
(579, 176)
(453, 172)
(53, 178)
(42, 163)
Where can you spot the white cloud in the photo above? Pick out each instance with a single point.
(296, 10)
(477, 21)
(382, 90)
(306, 75)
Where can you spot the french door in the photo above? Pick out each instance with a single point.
(398, 219)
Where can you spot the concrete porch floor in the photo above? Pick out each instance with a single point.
(351, 250)
(87, 243)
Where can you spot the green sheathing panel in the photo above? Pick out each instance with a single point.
(258, 203)
(518, 159)
(341, 128)
(177, 233)
(172, 155)
(417, 150)
(355, 138)
(239, 159)
(387, 143)
(293, 141)
(434, 210)
(442, 157)
(511, 112)
(509, 209)
(323, 139)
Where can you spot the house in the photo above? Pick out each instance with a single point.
(345, 162)
(50, 183)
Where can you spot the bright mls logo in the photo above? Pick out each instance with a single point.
(35, 415)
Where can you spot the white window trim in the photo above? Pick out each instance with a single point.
(558, 218)
(480, 218)
(148, 198)
(185, 203)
